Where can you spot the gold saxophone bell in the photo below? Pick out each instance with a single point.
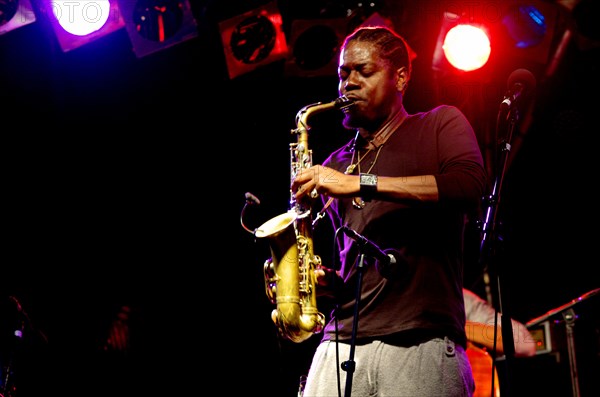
(292, 289)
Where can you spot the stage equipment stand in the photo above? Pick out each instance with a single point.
(350, 365)
(569, 316)
(491, 240)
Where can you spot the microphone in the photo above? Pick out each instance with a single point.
(520, 84)
(387, 261)
(252, 199)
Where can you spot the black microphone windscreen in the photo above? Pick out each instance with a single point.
(524, 77)
(252, 199)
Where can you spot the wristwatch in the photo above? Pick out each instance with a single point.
(368, 186)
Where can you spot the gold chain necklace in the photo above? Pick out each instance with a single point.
(353, 165)
(374, 160)
(358, 202)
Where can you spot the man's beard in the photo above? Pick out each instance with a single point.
(354, 120)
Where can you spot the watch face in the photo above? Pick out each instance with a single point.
(368, 179)
(8, 9)
(158, 20)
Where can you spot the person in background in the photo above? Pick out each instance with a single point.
(481, 318)
(484, 343)
(407, 183)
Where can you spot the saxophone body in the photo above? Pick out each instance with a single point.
(290, 281)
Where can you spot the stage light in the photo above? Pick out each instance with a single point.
(253, 39)
(155, 25)
(315, 44)
(76, 23)
(525, 24)
(91, 18)
(463, 46)
(467, 47)
(14, 14)
(530, 29)
(315, 47)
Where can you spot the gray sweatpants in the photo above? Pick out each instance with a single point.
(436, 368)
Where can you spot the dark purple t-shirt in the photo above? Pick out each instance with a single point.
(427, 293)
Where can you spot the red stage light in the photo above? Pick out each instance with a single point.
(253, 39)
(462, 45)
(155, 25)
(467, 47)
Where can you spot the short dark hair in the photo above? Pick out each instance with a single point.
(392, 46)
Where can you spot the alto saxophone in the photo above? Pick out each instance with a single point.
(290, 282)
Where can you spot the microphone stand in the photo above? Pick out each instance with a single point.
(490, 243)
(350, 365)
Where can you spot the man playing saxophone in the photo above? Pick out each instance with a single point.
(404, 182)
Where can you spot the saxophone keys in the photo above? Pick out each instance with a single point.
(314, 194)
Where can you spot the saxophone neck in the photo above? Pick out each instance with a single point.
(303, 114)
(301, 155)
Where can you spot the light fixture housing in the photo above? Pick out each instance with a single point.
(253, 39)
(76, 23)
(155, 25)
(14, 14)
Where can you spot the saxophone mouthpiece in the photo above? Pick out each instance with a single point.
(343, 103)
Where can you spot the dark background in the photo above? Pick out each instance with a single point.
(124, 182)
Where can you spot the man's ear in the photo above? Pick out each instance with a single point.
(402, 79)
